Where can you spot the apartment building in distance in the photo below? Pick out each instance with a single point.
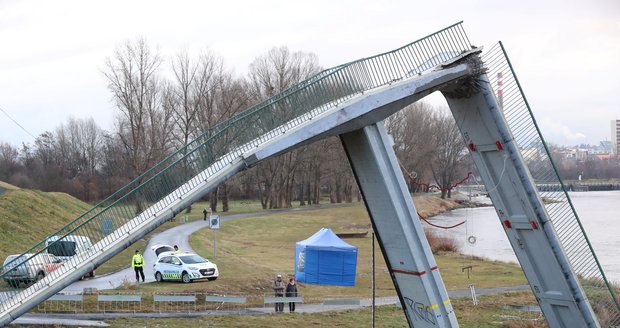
(615, 136)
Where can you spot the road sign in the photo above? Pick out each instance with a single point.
(214, 222)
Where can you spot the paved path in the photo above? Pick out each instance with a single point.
(389, 300)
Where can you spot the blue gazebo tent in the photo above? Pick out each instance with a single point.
(325, 259)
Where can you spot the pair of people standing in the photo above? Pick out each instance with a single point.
(280, 290)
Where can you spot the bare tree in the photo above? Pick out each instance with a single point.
(194, 90)
(45, 167)
(279, 69)
(78, 146)
(270, 74)
(112, 165)
(144, 126)
(9, 163)
(449, 153)
(215, 95)
(412, 131)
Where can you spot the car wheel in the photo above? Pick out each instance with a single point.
(158, 277)
(211, 279)
(92, 274)
(185, 277)
(40, 276)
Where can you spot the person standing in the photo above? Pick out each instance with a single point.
(291, 291)
(278, 289)
(137, 263)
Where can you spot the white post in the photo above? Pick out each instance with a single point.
(372, 281)
(472, 289)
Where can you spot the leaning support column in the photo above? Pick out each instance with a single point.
(519, 207)
(398, 228)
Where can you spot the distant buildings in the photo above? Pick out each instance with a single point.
(615, 136)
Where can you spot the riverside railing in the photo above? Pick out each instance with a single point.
(137, 202)
(558, 205)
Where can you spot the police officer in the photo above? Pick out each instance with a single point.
(137, 263)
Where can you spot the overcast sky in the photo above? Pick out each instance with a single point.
(565, 53)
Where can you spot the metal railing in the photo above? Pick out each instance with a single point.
(128, 210)
(558, 205)
(174, 302)
(119, 301)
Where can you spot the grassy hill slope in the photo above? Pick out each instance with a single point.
(6, 186)
(28, 216)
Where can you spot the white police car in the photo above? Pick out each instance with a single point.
(184, 266)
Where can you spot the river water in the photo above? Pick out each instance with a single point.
(599, 212)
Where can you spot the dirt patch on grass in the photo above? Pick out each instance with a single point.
(431, 205)
(357, 226)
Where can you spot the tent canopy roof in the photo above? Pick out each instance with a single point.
(326, 239)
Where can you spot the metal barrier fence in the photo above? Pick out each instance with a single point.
(174, 302)
(135, 301)
(119, 302)
(225, 302)
(66, 302)
(271, 300)
(130, 208)
(169, 302)
(558, 204)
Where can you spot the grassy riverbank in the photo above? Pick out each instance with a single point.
(251, 251)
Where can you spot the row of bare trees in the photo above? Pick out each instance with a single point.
(159, 110)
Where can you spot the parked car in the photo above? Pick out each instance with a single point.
(183, 266)
(68, 247)
(20, 269)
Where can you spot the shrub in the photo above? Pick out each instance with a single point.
(441, 244)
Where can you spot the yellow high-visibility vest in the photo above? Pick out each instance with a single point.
(137, 261)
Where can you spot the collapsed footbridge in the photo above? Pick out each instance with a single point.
(351, 101)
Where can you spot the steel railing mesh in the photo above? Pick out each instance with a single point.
(137, 203)
(558, 205)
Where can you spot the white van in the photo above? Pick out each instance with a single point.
(19, 269)
(68, 247)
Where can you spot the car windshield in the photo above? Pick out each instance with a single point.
(191, 259)
(62, 248)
